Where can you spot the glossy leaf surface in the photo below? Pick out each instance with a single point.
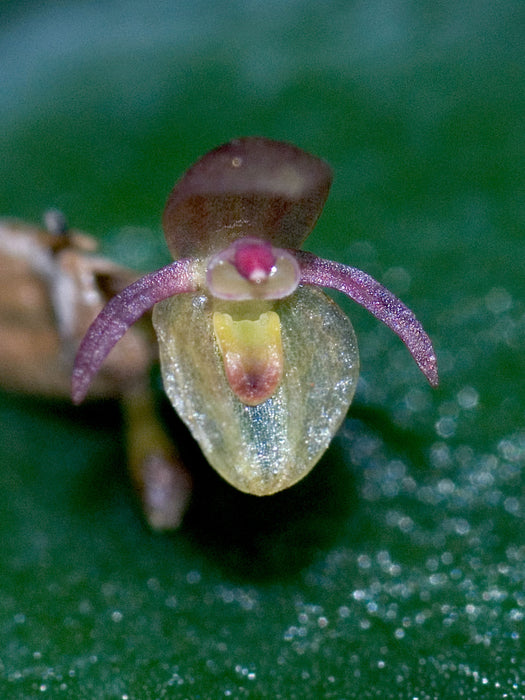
(265, 448)
(248, 187)
(397, 568)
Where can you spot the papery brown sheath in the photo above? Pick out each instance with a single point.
(52, 286)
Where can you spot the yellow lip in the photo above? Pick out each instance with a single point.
(252, 354)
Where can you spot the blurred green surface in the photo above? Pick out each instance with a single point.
(397, 568)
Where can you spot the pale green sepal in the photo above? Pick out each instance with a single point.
(265, 448)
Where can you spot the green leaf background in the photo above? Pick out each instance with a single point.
(397, 568)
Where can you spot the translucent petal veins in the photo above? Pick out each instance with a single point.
(363, 289)
(122, 312)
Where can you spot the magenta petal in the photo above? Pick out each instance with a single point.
(378, 300)
(121, 312)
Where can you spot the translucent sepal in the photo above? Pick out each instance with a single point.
(265, 448)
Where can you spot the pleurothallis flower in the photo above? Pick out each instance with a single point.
(256, 359)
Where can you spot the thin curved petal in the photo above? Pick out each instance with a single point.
(122, 312)
(363, 289)
(248, 187)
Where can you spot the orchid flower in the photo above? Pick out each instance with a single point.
(259, 363)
